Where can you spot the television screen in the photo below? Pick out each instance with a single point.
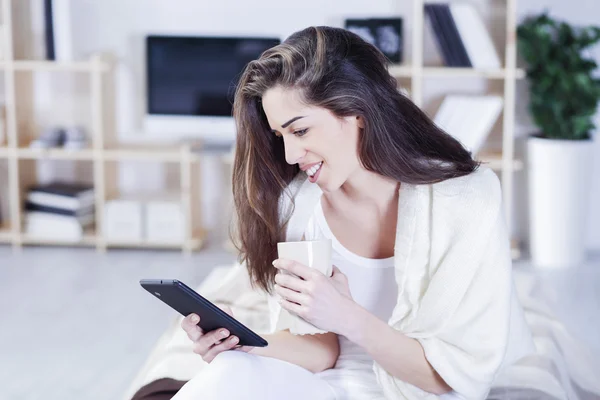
(197, 76)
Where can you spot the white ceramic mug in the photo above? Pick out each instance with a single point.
(312, 253)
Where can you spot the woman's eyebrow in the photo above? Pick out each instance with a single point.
(291, 120)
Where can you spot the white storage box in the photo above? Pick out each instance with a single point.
(165, 221)
(123, 221)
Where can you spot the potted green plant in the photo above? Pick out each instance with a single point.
(564, 96)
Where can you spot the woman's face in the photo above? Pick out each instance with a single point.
(323, 145)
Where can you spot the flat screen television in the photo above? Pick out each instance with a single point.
(191, 81)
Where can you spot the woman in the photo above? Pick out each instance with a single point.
(420, 302)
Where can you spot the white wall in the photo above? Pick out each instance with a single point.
(119, 26)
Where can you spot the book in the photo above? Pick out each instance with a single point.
(62, 195)
(469, 118)
(455, 41)
(49, 30)
(440, 37)
(475, 36)
(47, 226)
(77, 213)
(58, 39)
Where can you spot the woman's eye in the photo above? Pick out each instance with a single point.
(301, 132)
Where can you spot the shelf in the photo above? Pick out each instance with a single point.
(470, 72)
(143, 244)
(453, 72)
(4, 151)
(6, 234)
(42, 65)
(494, 161)
(89, 239)
(147, 153)
(400, 71)
(167, 154)
(195, 243)
(55, 154)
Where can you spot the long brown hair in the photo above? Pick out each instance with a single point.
(336, 70)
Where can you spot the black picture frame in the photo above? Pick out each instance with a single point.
(384, 33)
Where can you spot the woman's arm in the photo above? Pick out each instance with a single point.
(399, 355)
(327, 303)
(316, 353)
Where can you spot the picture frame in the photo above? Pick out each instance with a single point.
(384, 33)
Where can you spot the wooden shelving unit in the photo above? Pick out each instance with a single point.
(104, 152)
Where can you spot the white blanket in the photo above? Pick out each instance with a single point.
(455, 296)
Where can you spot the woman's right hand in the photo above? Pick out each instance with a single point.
(209, 344)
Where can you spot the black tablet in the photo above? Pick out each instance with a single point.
(186, 301)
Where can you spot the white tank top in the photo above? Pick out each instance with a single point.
(372, 284)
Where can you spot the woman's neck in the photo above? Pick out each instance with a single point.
(366, 188)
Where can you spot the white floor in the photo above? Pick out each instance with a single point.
(75, 324)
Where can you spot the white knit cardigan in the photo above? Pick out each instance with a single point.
(453, 270)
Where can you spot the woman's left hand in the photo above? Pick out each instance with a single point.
(323, 301)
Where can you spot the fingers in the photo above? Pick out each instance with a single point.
(203, 345)
(189, 325)
(294, 267)
(338, 275)
(225, 345)
(209, 345)
(291, 295)
(245, 349)
(291, 282)
(293, 307)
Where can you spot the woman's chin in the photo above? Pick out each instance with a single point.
(326, 186)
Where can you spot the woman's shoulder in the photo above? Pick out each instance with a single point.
(479, 190)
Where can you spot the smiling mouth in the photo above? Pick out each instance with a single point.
(314, 169)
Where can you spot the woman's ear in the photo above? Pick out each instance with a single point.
(360, 122)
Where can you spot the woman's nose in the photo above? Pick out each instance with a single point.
(293, 152)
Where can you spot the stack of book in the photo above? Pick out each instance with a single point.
(461, 36)
(59, 211)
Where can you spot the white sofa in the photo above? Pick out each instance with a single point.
(564, 368)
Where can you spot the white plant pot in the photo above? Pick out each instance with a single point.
(559, 173)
